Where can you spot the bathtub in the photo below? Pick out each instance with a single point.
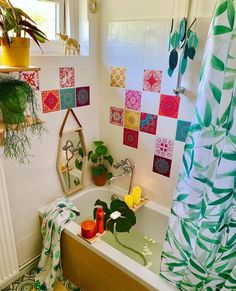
(100, 267)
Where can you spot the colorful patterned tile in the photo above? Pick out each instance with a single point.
(148, 123)
(182, 130)
(152, 81)
(67, 77)
(164, 147)
(50, 100)
(67, 98)
(118, 77)
(32, 78)
(161, 166)
(132, 119)
(169, 106)
(133, 99)
(117, 116)
(82, 96)
(130, 138)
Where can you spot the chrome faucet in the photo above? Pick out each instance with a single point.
(127, 168)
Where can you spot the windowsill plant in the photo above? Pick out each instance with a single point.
(15, 24)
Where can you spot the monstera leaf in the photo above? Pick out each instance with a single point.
(126, 220)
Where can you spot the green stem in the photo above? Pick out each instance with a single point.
(131, 249)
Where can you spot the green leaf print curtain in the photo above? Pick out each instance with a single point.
(200, 248)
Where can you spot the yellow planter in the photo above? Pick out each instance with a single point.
(17, 55)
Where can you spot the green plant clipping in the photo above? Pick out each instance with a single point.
(199, 252)
(17, 99)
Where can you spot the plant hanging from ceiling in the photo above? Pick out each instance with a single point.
(184, 43)
(18, 107)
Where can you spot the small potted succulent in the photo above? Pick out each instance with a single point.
(16, 22)
(100, 159)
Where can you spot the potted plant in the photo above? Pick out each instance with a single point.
(100, 157)
(16, 22)
(18, 107)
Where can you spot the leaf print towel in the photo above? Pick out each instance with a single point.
(57, 216)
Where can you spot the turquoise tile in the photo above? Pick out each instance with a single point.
(67, 98)
(182, 130)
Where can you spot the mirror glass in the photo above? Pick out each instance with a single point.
(71, 160)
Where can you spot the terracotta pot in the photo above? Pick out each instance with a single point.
(100, 180)
(17, 55)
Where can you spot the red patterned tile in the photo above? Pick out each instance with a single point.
(50, 100)
(148, 123)
(117, 116)
(67, 77)
(130, 138)
(152, 81)
(169, 106)
(82, 96)
(164, 147)
(162, 166)
(133, 99)
(32, 78)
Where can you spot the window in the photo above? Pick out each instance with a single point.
(47, 14)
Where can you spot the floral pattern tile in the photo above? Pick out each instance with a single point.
(67, 77)
(169, 106)
(133, 99)
(162, 166)
(130, 138)
(82, 96)
(67, 98)
(32, 78)
(164, 147)
(148, 123)
(132, 119)
(118, 77)
(182, 130)
(152, 81)
(117, 116)
(50, 100)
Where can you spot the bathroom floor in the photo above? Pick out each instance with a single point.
(26, 283)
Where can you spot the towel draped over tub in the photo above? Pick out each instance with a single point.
(55, 218)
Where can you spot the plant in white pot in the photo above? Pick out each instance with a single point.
(15, 24)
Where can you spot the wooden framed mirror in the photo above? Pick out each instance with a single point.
(71, 156)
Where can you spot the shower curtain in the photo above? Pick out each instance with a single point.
(200, 247)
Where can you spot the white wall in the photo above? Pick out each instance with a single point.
(33, 185)
(135, 36)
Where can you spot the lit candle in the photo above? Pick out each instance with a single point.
(129, 200)
(88, 229)
(136, 193)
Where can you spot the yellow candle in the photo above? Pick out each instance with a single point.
(136, 193)
(129, 200)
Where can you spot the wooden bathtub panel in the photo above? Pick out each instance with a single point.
(91, 272)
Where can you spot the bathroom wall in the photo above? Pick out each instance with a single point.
(141, 118)
(33, 185)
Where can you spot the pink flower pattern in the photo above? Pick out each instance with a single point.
(32, 78)
(152, 81)
(133, 99)
(67, 77)
(164, 147)
(116, 116)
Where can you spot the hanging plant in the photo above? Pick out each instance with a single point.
(184, 43)
(125, 221)
(18, 107)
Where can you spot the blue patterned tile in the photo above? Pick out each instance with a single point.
(182, 130)
(67, 98)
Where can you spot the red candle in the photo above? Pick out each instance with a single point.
(88, 229)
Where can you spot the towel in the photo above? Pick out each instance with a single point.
(57, 216)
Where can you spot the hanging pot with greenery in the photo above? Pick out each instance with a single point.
(19, 107)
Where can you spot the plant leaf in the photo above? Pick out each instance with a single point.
(175, 40)
(217, 64)
(221, 29)
(231, 13)
(208, 115)
(173, 59)
(221, 9)
(216, 92)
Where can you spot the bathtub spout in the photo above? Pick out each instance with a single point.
(128, 169)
